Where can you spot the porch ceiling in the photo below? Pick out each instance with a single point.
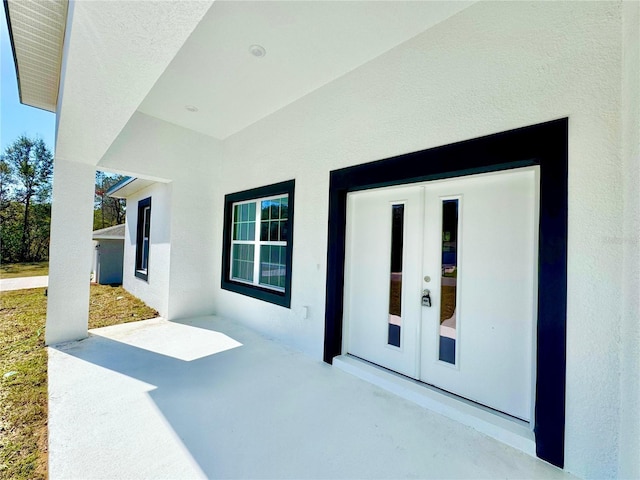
(308, 44)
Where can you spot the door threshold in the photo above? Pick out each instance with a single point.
(509, 430)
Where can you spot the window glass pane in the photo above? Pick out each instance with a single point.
(242, 260)
(275, 209)
(265, 251)
(264, 213)
(264, 231)
(283, 231)
(395, 288)
(284, 208)
(275, 255)
(273, 232)
(244, 222)
(449, 281)
(145, 253)
(272, 265)
(147, 221)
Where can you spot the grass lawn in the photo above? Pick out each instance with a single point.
(23, 370)
(15, 270)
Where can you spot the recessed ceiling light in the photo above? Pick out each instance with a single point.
(191, 108)
(257, 51)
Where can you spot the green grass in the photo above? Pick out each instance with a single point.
(15, 270)
(447, 302)
(23, 394)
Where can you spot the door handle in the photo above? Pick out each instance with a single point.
(426, 298)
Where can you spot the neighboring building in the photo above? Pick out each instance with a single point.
(108, 252)
(302, 187)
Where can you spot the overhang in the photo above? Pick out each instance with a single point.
(128, 186)
(36, 31)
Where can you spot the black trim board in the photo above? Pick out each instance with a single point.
(279, 298)
(546, 145)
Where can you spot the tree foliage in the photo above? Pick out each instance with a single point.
(26, 167)
(107, 211)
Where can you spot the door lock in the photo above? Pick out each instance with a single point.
(426, 298)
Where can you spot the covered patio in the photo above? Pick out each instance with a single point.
(223, 103)
(208, 398)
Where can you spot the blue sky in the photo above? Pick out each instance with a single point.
(17, 119)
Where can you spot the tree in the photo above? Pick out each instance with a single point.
(25, 199)
(108, 211)
(6, 181)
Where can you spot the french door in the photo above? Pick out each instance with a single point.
(441, 284)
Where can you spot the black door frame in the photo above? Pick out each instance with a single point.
(544, 144)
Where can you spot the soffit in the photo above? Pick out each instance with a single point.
(129, 187)
(36, 29)
(308, 44)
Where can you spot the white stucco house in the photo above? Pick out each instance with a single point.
(465, 177)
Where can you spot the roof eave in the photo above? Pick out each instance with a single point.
(41, 99)
(128, 186)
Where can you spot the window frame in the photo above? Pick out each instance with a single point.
(143, 206)
(254, 290)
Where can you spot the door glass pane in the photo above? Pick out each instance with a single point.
(395, 290)
(449, 281)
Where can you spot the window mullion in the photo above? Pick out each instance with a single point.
(256, 247)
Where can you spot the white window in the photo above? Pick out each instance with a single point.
(259, 239)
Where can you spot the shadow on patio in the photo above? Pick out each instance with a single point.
(209, 398)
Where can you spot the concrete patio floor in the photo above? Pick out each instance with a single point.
(207, 398)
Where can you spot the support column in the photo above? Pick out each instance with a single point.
(629, 436)
(70, 251)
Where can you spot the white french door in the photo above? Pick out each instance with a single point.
(441, 284)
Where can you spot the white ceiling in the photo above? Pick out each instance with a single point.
(308, 44)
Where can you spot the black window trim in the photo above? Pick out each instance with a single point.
(268, 295)
(142, 274)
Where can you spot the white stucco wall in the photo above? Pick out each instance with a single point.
(152, 291)
(152, 148)
(493, 67)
